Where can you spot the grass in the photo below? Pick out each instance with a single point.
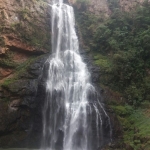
(6, 63)
(105, 62)
(21, 69)
(136, 125)
(139, 133)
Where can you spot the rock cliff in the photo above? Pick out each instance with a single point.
(24, 31)
(24, 44)
(105, 7)
(24, 36)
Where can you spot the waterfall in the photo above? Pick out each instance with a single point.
(73, 117)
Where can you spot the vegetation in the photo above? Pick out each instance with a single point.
(88, 23)
(7, 61)
(20, 69)
(135, 124)
(120, 45)
(121, 48)
(31, 31)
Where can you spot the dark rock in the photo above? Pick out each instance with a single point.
(29, 90)
(23, 112)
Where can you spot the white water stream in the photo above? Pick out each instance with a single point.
(73, 117)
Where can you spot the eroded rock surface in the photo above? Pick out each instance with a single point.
(29, 23)
(24, 32)
(104, 7)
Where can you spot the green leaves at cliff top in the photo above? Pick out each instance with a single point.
(124, 42)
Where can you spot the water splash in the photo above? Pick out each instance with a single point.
(73, 117)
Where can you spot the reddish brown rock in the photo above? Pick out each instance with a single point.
(13, 42)
(24, 33)
(128, 5)
(102, 7)
(25, 25)
(5, 72)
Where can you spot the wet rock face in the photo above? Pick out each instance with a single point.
(19, 108)
(24, 37)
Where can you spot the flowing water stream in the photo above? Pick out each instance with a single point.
(73, 117)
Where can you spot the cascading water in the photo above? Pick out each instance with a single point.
(73, 117)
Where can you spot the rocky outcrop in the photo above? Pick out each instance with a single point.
(19, 105)
(128, 5)
(99, 7)
(24, 33)
(25, 25)
(105, 7)
(24, 36)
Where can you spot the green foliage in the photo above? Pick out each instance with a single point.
(24, 13)
(87, 23)
(20, 70)
(121, 47)
(135, 124)
(7, 82)
(113, 4)
(124, 41)
(6, 61)
(123, 110)
(138, 132)
(102, 61)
